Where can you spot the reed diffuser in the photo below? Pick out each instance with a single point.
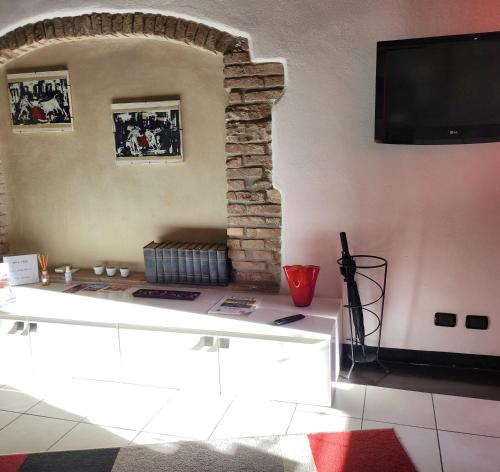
(43, 260)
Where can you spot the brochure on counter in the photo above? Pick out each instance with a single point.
(235, 305)
(96, 287)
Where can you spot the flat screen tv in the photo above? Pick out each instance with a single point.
(441, 90)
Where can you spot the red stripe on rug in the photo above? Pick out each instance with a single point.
(377, 450)
(12, 463)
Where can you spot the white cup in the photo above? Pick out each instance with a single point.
(124, 271)
(98, 270)
(110, 271)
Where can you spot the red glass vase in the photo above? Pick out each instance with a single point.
(302, 282)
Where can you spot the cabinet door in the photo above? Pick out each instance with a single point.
(169, 359)
(275, 369)
(76, 350)
(15, 354)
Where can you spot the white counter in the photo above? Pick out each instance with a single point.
(37, 303)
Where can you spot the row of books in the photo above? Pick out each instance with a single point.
(186, 263)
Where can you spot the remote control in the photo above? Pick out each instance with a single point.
(288, 319)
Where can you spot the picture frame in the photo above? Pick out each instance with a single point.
(40, 101)
(147, 132)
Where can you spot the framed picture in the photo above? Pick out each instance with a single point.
(40, 101)
(147, 132)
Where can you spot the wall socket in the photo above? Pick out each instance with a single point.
(448, 320)
(476, 322)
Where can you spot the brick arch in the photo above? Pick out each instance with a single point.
(254, 205)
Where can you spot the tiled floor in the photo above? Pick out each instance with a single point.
(440, 432)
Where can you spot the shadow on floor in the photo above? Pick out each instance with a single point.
(465, 382)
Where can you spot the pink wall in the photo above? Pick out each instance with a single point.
(431, 210)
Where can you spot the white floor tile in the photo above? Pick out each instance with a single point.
(246, 417)
(420, 444)
(89, 436)
(54, 411)
(32, 434)
(317, 419)
(349, 399)
(467, 415)
(144, 439)
(64, 399)
(13, 400)
(6, 417)
(399, 406)
(189, 415)
(122, 405)
(469, 453)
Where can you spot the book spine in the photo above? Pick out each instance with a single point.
(222, 269)
(160, 273)
(212, 266)
(197, 265)
(189, 266)
(167, 265)
(150, 264)
(174, 263)
(182, 265)
(205, 271)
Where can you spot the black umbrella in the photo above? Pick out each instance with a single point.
(348, 270)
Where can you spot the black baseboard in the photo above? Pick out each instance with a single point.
(436, 358)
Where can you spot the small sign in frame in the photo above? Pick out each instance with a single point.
(147, 132)
(40, 101)
(23, 269)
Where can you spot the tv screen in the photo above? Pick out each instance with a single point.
(442, 90)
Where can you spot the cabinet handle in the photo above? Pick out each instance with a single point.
(223, 343)
(208, 341)
(16, 327)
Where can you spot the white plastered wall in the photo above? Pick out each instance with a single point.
(431, 210)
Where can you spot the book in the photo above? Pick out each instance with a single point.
(150, 262)
(116, 288)
(75, 288)
(197, 264)
(181, 257)
(167, 262)
(234, 305)
(174, 262)
(205, 270)
(222, 269)
(190, 263)
(160, 273)
(94, 287)
(212, 264)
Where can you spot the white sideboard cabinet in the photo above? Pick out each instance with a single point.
(169, 359)
(176, 344)
(15, 351)
(75, 350)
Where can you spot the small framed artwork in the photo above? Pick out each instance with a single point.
(147, 132)
(40, 101)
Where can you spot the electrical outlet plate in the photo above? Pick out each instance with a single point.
(449, 320)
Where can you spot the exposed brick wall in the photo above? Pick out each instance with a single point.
(4, 241)
(254, 206)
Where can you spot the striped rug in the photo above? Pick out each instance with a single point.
(356, 451)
